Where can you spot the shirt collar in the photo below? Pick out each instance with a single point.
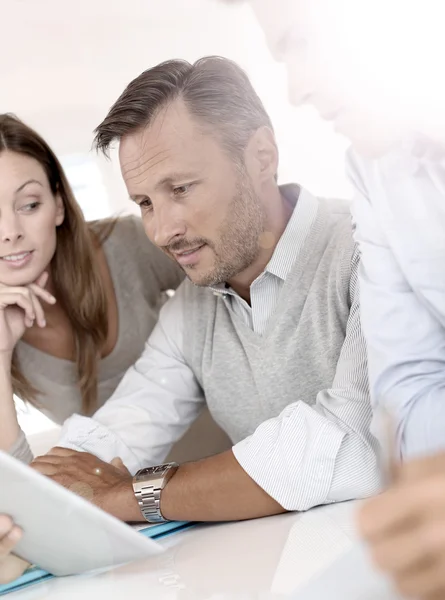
(291, 242)
(293, 238)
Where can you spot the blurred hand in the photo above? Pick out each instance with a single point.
(109, 486)
(20, 307)
(11, 566)
(405, 528)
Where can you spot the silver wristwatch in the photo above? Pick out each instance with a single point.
(147, 485)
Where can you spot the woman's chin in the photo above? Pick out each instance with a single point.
(19, 278)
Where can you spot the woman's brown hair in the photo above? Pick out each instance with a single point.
(77, 281)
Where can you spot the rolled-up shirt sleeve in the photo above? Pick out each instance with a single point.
(312, 455)
(156, 401)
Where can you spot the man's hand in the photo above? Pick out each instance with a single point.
(109, 486)
(405, 527)
(213, 489)
(11, 566)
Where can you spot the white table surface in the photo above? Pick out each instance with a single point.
(263, 559)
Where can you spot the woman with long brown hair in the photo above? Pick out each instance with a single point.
(78, 300)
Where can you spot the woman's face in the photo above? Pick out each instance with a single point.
(29, 215)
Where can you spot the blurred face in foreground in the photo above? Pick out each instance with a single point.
(372, 67)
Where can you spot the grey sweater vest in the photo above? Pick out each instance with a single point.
(248, 378)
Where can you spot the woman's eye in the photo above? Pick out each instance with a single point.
(30, 207)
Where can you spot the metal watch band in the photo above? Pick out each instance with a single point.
(148, 485)
(149, 500)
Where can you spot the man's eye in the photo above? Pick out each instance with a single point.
(180, 190)
(146, 204)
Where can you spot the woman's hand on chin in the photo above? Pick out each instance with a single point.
(21, 307)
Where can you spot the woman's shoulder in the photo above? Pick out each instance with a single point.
(129, 248)
(119, 228)
(122, 234)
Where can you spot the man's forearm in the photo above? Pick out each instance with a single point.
(213, 489)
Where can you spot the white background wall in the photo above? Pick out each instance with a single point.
(63, 63)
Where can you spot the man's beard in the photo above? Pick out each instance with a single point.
(238, 241)
(238, 245)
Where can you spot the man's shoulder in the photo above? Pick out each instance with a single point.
(340, 246)
(188, 314)
(338, 222)
(337, 207)
(190, 296)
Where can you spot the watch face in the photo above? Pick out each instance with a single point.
(144, 472)
(158, 470)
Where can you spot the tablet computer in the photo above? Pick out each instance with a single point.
(62, 532)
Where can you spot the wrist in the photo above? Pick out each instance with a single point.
(169, 497)
(9, 426)
(121, 502)
(6, 360)
(148, 486)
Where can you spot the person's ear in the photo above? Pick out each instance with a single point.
(262, 154)
(60, 210)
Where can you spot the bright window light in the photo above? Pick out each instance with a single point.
(85, 178)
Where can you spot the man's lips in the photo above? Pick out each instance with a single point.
(189, 256)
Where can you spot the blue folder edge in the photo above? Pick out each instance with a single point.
(35, 575)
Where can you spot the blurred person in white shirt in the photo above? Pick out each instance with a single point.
(374, 68)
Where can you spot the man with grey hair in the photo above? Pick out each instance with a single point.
(266, 329)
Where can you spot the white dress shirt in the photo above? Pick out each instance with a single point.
(399, 212)
(160, 397)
